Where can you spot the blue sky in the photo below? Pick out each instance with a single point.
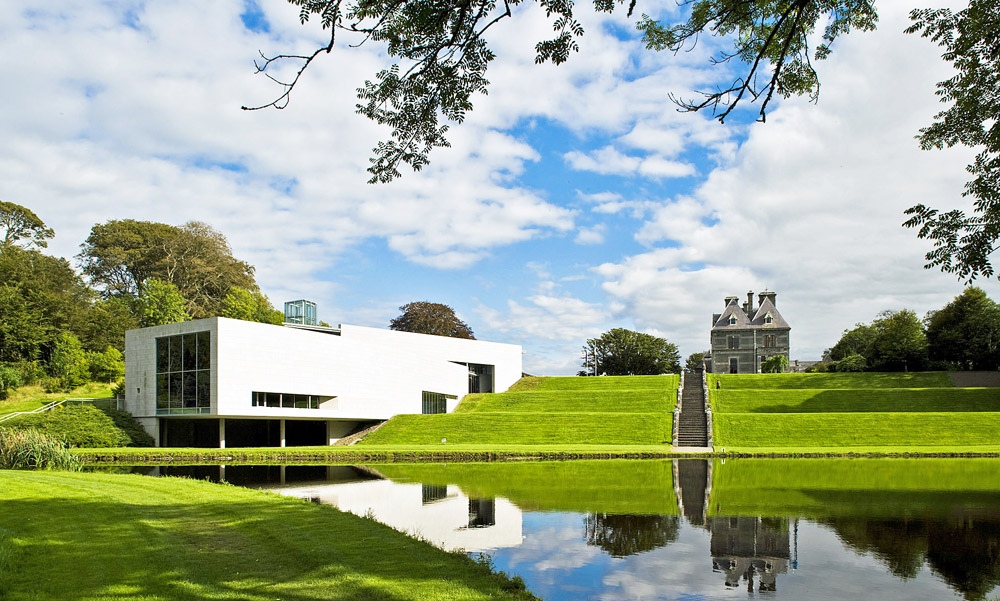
(574, 199)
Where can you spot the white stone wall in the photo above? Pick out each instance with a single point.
(373, 373)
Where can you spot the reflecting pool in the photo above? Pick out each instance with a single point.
(689, 529)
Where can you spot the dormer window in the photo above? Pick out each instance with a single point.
(768, 319)
(732, 320)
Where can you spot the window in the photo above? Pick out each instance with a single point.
(768, 319)
(184, 373)
(734, 342)
(435, 402)
(770, 341)
(734, 365)
(288, 400)
(732, 320)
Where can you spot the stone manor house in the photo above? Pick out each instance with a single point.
(744, 336)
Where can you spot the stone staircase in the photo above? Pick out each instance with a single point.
(692, 423)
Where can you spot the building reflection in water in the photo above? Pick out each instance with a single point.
(751, 549)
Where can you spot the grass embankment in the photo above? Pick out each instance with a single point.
(581, 486)
(852, 412)
(111, 537)
(29, 398)
(627, 410)
(824, 488)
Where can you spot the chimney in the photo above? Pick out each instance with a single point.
(731, 300)
(769, 295)
(749, 306)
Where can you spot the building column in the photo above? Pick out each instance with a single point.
(222, 432)
(329, 433)
(281, 428)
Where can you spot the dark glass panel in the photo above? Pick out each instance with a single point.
(204, 350)
(175, 390)
(162, 391)
(189, 351)
(204, 388)
(162, 355)
(174, 362)
(190, 389)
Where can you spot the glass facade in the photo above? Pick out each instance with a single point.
(435, 402)
(301, 312)
(184, 374)
(288, 401)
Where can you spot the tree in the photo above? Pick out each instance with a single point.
(900, 343)
(250, 306)
(852, 363)
(774, 365)
(963, 244)
(10, 379)
(107, 365)
(695, 361)
(68, 363)
(624, 535)
(966, 332)
(425, 317)
(621, 352)
(857, 341)
(120, 255)
(20, 223)
(160, 303)
(443, 56)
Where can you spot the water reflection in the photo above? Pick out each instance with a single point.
(689, 529)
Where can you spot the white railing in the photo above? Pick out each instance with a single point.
(53, 404)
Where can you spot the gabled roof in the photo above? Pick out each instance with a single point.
(767, 308)
(733, 309)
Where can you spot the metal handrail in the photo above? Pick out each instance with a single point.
(677, 411)
(49, 407)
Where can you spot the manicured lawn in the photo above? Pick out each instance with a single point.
(628, 410)
(830, 381)
(827, 488)
(105, 537)
(525, 429)
(843, 430)
(856, 400)
(607, 486)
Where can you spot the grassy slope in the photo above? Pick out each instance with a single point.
(633, 410)
(856, 410)
(29, 398)
(853, 487)
(607, 486)
(63, 536)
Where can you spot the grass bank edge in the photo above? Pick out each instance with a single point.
(284, 547)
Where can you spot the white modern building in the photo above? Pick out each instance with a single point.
(223, 382)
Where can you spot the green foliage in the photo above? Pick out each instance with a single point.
(770, 38)
(76, 426)
(68, 363)
(106, 324)
(963, 244)
(774, 365)
(853, 362)
(966, 332)
(621, 352)
(21, 225)
(695, 361)
(31, 449)
(425, 317)
(895, 341)
(137, 435)
(120, 256)
(250, 306)
(10, 379)
(106, 366)
(160, 303)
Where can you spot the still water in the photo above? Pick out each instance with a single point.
(688, 530)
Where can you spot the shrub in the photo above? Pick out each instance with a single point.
(138, 437)
(10, 379)
(852, 363)
(774, 365)
(31, 449)
(76, 426)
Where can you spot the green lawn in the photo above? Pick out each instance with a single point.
(829, 381)
(855, 400)
(29, 398)
(627, 410)
(735, 431)
(105, 537)
(606, 486)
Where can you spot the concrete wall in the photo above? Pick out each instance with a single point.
(371, 373)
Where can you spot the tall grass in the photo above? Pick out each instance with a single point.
(30, 449)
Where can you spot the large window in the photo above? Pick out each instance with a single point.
(435, 402)
(770, 340)
(184, 373)
(734, 342)
(288, 401)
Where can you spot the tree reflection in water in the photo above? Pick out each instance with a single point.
(624, 535)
